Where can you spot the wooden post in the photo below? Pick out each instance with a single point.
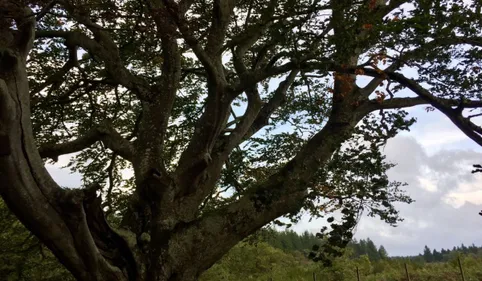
(314, 276)
(461, 269)
(357, 274)
(406, 272)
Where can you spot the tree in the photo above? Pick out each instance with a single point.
(427, 254)
(190, 96)
(382, 252)
(437, 256)
(363, 247)
(372, 251)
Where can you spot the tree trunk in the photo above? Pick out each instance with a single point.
(71, 223)
(59, 218)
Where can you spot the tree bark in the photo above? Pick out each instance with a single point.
(65, 221)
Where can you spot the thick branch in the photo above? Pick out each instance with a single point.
(25, 21)
(394, 103)
(105, 133)
(278, 99)
(197, 156)
(222, 10)
(224, 228)
(45, 10)
(196, 166)
(196, 47)
(464, 124)
(248, 38)
(397, 103)
(54, 215)
(225, 144)
(282, 193)
(305, 64)
(154, 121)
(420, 52)
(375, 82)
(57, 79)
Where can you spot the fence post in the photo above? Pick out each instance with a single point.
(406, 272)
(314, 276)
(357, 274)
(461, 269)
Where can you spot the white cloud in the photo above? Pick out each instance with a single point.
(427, 184)
(64, 177)
(466, 192)
(442, 137)
(435, 132)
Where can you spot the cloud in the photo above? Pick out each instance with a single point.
(447, 199)
(427, 184)
(435, 132)
(64, 177)
(466, 192)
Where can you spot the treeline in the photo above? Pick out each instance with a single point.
(368, 248)
(287, 240)
(445, 255)
(290, 241)
(281, 256)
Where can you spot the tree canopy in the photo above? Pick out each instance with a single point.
(196, 123)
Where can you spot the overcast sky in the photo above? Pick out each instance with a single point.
(435, 159)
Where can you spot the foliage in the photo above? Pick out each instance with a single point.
(22, 256)
(260, 262)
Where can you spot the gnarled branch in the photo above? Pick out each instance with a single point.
(445, 106)
(105, 133)
(281, 193)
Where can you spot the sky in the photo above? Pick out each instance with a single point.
(435, 160)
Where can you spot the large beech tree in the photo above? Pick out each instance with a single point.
(196, 123)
